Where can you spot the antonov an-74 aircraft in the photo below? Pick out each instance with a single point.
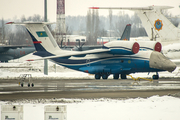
(116, 57)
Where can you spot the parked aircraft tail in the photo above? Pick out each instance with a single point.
(42, 37)
(155, 23)
(126, 33)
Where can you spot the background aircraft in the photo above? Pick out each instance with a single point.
(81, 47)
(117, 57)
(158, 28)
(10, 52)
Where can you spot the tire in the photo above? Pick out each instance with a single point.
(28, 84)
(32, 84)
(116, 76)
(97, 76)
(21, 84)
(123, 76)
(105, 76)
(155, 77)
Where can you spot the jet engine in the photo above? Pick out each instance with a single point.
(122, 47)
(150, 45)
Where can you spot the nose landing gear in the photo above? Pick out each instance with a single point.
(155, 77)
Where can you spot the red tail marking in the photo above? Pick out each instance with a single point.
(10, 23)
(30, 60)
(36, 42)
(93, 7)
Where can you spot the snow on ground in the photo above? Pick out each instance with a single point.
(152, 108)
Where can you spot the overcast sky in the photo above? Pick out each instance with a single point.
(11, 9)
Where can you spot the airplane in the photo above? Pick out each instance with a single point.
(10, 52)
(158, 27)
(119, 58)
(155, 23)
(125, 36)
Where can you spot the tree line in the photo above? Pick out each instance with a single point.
(92, 26)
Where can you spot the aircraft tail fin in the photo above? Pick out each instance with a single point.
(126, 33)
(157, 25)
(41, 36)
(153, 20)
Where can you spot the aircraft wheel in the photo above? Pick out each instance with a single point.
(32, 84)
(21, 84)
(97, 76)
(116, 76)
(155, 77)
(123, 76)
(105, 76)
(28, 84)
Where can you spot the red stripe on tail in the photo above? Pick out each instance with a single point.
(36, 42)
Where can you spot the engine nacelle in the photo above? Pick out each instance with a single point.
(150, 45)
(122, 47)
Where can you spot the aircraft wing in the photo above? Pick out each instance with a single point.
(74, 53)
(4, 48)
(133, 8)
(123, 8)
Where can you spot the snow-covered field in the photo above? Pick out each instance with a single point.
(153, 108)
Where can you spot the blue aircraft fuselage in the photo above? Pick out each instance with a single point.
(112, 64)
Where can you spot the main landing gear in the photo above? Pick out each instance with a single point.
(103, 75)
(106, 75)
(116, 76)
(97, 76)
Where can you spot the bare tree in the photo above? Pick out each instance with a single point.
(88, 27)
(110, 21)
(92, 27)
(2, 31)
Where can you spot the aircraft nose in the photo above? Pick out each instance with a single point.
(159, 61)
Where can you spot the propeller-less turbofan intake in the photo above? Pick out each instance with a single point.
(122, 47)
(150, 45)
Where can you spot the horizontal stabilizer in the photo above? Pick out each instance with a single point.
(23, 23)
(133, 8)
